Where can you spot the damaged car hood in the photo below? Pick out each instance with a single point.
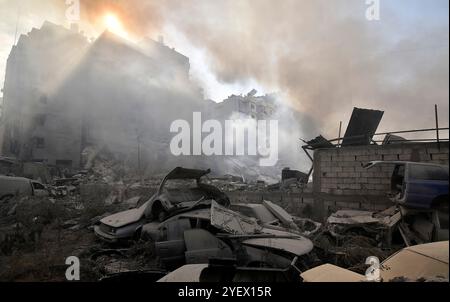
(352, 217)
(281, 214)
(299, 246)
(232, 222)
(123, 218)
(238, 224)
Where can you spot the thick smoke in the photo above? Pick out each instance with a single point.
(323, 55)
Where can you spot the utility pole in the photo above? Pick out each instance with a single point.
(339, 135)
(139, 156)
(437, 124)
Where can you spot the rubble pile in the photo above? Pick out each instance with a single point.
(103, 201)
(229, 183)
(45, 228)
(101, 165)
(107, 261)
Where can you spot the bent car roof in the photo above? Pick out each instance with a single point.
(183, 173)
(430, 261)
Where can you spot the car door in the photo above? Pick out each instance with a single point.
(425, 183)
(172, 246)
(201, 245)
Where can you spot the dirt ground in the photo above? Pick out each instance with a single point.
(41, 233)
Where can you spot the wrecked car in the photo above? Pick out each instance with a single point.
(20, 186)
(430, 264)
(418, 185)
(230, 272)
(273, 216)
(331, 273)
(196, 236)
(181, 189)
(360, 222)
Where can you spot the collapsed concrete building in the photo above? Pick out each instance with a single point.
(67, 98)
(244, 107)
(63, 93)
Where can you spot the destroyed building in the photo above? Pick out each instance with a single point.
(63, 93)
(27, 114)
(244, 107)
(83, 96)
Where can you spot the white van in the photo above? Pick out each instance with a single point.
(20, 186)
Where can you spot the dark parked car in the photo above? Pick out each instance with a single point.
(180, 190)
(418, 185)
(20, 186)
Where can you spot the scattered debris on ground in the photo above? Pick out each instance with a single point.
(51, 228)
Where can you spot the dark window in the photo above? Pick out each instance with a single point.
(424, 172)
(397, 177)
(40, 119)
(64, 163)
(38, 186)
(39, 142)
(14, 147)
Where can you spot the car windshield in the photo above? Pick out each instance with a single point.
(38, 186)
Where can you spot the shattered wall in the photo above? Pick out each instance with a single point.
(338, 171)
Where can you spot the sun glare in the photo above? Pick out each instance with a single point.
(113, 24)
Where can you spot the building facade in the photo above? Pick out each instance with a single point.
(63, 93)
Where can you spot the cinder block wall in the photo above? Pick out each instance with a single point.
(338, 171)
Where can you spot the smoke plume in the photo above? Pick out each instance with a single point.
(324, 56)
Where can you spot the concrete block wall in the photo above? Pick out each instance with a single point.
(317, 207)
(339, 171)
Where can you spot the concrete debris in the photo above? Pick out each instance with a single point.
(288, 174)
(203, 225)
(352, 217)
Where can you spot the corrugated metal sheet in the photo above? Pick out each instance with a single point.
(319, 143)
(362, 126)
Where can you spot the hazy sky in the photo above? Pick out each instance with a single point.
(324, 56)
